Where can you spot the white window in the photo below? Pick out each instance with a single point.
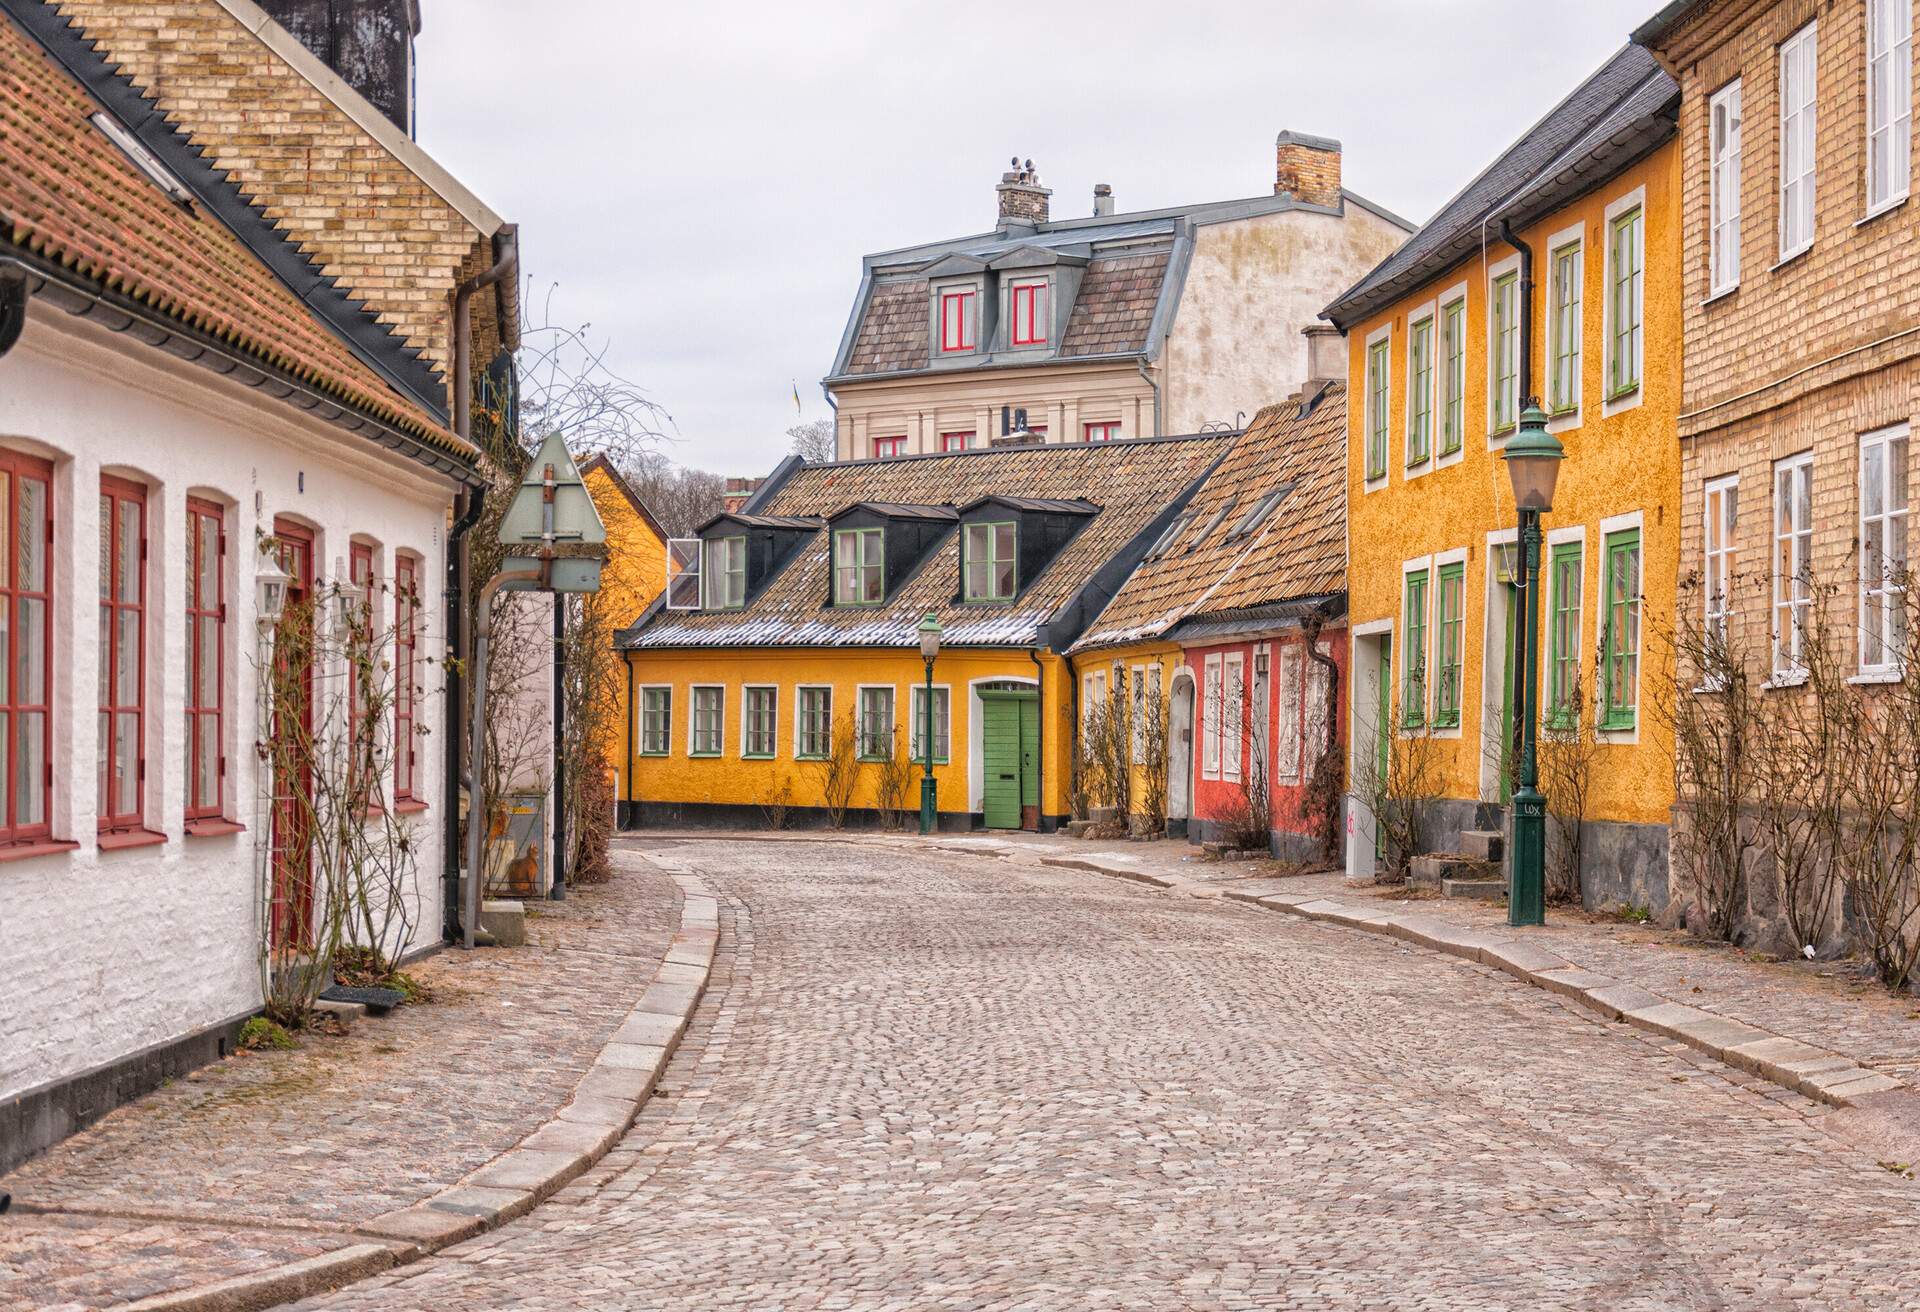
(683, 573)
(1504, 381)
(1889, 101)
(876, 724)
(1210, 721)
(1722, 517)
(1626, 299)
(1139, 743)
(1093, 695)
(1566, 270)
(1288, 766)
(1420, 391)
(1792, 560)
(858, 566)
(709, 721)
(941, 732)
(1724, 183)
(1883, 548)
(725, 569)
(1379, 401)
(1797, 91)
(1319, 690)
(1233, 707)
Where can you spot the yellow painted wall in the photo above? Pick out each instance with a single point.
(728, 779)
(635, 573)
(1135, 657)
(1627, 462)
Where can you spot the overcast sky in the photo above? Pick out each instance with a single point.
(699, 181)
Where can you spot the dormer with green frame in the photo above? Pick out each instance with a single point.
(878, 545)
(1008, 542)
(741, 554)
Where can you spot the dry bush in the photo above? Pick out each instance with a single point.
(1400, 792)
(1151, 759)
(776, 801)
(1567, 751)
(839, 771)
(1247, 817)
(1327, 774)
(893, 786)
(593, 830)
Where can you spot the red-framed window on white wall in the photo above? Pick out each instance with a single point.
(123, 649)
(206, 756)
(26, 647)
(1104, 432)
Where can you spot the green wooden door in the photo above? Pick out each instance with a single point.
(1029, 751)
(1000, 760)
(1383, 731)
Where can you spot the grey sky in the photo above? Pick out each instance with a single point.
(700, 180)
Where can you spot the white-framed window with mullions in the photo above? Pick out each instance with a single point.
(1792, 565)
(707, 726)
(1723, 185)
(656, 719)
(942, 720)
(1378, 403)
(759, 722)
(1503, 349)
(1720, 516)
(1799, 101)
(1566, 321)
(1883, 550)
(1421, 339)
(1623, 313)
(813, 722)
(1889, 103)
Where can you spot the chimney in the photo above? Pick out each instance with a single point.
(1023, 201)
(369, 43)
(1326, 353)
(1102, 200)
(1308, 168)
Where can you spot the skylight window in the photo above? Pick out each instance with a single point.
(1168, 538)
(1254, 518)
(1219, 517)
(144, 159)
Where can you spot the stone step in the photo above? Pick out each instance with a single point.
(344, 1012)
(1439, 867)
(1485, 890)
(1483, 844)
(1078, 828)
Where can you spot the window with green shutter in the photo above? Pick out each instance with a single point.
(1620, 646)
(1452, 581)
(1377, 395)
(1563, 637)
(1453, 353)
(1413, 689)
(1624, 304)
(1419, 392)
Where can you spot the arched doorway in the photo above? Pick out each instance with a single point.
(1180, 756)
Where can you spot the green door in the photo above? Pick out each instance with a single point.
(1383, 728)
(1509, 724)
(1000, 752)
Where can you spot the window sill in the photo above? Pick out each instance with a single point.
(1714, 298)
(1615, 728)
(1788, 257)
(36, 847)
(1784, 679)
(1876, 676)
(213, 828)
(409, 806)
(703, 756)
(117, 840)
(1884, 207)
(1624, 394)
(758, 756)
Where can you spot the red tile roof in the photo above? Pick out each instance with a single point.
(71, 199)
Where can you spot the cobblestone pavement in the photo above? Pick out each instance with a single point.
(927, 1080)
(270, 1157)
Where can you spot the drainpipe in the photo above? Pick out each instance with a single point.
(1527, 395)
(1148, 376)
(13, 316)
(557, 881)
(1040, 748)
(459, 558)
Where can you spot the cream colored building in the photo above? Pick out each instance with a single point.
(1111, 326)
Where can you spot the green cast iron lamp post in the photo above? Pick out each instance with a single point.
(1533, 464)
(929, 649)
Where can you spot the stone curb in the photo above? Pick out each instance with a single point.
(1814, 1072)
(605, 1103)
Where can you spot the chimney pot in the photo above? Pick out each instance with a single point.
(1023, 201)
(1308, 167)
(368, 43)
(1326, 353)
(1102, 200)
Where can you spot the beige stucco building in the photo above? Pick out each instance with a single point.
(1109, 326)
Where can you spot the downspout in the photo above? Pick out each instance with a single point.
(1527, 395)
(1156, 396)
(459, 561)
(13, 307)
(626, 765)
(1040, 747)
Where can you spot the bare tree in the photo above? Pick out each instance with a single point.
(681, 499)
(839, 770)
(813, 441)
(1567, 750)
(893, 784)
(1399, 784)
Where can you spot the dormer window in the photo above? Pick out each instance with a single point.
(991, 550)
(725, 572)
(859, 561)
(1029, 312)
(959, 319)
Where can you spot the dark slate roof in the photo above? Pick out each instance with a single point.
(1135, 484)
(1298, 553)
(1040, 505)
(1612, 119)
(902, 510)
(1115, 308)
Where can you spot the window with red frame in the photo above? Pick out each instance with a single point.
(1100, 432)
(206, 660)
(123, 628)
(957, 320)
(26, 647)
(406, 676)
(1038, 430)
(956, 441)
(1030, 313)
(889, 446)
(361, 733)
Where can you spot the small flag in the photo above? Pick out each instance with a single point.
(796, 396)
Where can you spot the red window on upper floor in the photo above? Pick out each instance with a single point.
(958, 321)
(26, 648)
(1038, 430)
(123, 671)
(406, 677)
(206, 756)
(884, 447)
(956, 441)
(1100, 432)
(1030, 313)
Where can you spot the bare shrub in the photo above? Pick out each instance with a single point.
(1567, 749)
(593, 829)
(893, 785)
(1400, 791)
(1326, 773)
(776, 801)
(1149, 741)
(838, 771)
(1247, 816)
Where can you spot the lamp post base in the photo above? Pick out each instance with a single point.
(927, 805)
(1527, 894)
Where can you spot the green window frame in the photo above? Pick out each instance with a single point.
(656, 721)
(1620, 647)
(813, 732)
(876, 725)
(1626, 302)
(992, 568)
(1452, 583)
(760, 730)
(1378, 395)
(725, 571)
(709, 726)
(1453, 349)
(1506, 352)
(859, 566)
(1563, 385)
(1413, 688)
(942, 725)
(1420, 392)
(1567, 575)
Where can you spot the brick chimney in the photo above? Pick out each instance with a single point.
(1023, 201)
(1326, 353)
(1308, 168)
(369, 43)
(1102, 200)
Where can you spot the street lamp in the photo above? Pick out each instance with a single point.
(929, 649)
(1533, 464)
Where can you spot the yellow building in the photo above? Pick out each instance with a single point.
(1445, 346)
(780, 677)
(635, 574)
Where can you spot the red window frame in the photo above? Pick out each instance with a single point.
(958, 322)
(360, 575)
(206, 647)
(1030, 314)
(886, 447)
(18, 711)
(956, 441)
(120, 699)
(1038, 430)
(1102, 432)
(406, 677)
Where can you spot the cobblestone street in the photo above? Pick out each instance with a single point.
(949, 1081)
